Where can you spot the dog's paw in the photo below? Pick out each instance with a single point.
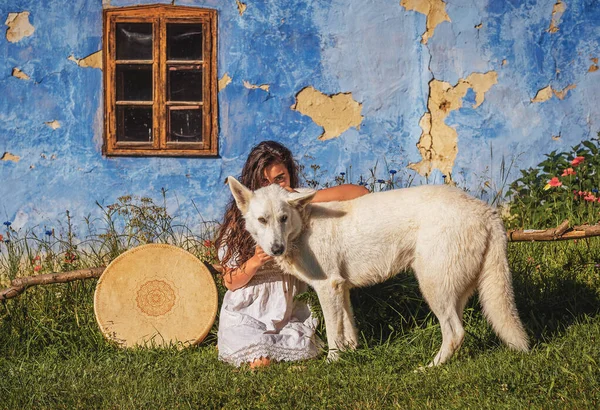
(333, 356)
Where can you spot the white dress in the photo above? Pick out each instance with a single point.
(262, 319)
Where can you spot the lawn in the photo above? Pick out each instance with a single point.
(52, 354)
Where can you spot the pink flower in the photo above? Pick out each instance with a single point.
(568, 171)
(581, 193)
(590, 197)
(577, 160)
(554, 182)
(1, 237)
(37, 267)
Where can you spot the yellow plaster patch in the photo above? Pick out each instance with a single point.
(53, 124)
(563, 93)
(593, 67)
(434, 10)
(546, 93)
(264, 87)
(94, 60)
(557, 12)
(336, 113)
(241, 7)
(543, 95)
(18, 26)
(224, 81)
(7, 156)
(438, 142)
(20, 74)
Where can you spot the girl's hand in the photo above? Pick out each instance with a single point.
(260, 257)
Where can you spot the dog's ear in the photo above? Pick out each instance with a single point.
(241, 194)
(301, 200)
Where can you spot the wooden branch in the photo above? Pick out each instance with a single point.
(560, 233)
(19, 285)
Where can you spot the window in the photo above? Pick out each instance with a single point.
(160, 81)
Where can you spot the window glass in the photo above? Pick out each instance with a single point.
(134, 41)
(185, 84)
(134, 124)
(184, 41)
(134, 82)
(186, 125)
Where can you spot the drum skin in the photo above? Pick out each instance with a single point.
(156, 295)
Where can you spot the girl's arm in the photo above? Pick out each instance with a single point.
(239, 277)
(340, 193)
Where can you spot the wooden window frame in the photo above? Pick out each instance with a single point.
(159, 16)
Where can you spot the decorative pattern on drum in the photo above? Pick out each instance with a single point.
(155, 298)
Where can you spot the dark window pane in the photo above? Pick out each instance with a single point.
(134, 82)
(185, 125)
(134, 41)
(184, 41)
(185, 84)
(134, 124)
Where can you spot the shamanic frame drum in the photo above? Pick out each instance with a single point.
(156, 295)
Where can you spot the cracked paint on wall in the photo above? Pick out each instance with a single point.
(390, 56)
(224, 81)
(20, 74)
(19, 26)
(557, 12)
(547, 92)
(438, 142)
(434, 10)
(7, 156)
(335, 113)
(241, 7)
(264, 87)
(53, 124)
(94, 60)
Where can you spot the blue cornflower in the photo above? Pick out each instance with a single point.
(7, 223)
(49, 233)
(595, 190)
(342, 173)
(393, 171)
(7, 241)
(381, 181)
(444, 176)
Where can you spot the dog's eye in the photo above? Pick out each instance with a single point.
(262, 220)
(283, 218)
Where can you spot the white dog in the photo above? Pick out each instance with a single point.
(454, 243)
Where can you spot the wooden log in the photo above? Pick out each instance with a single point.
(19, 285)
(560, 233)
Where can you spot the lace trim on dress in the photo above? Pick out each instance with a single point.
(277, 353)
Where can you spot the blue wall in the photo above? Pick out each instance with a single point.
(371, 49)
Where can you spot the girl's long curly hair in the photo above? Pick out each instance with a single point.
(232, 232)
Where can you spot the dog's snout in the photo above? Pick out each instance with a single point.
(277, 249)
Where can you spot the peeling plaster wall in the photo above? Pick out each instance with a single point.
(373, 68)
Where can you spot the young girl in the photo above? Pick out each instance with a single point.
(260, 321)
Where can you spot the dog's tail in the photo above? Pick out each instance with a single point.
(496, 291)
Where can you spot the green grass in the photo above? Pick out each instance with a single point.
(52, 354)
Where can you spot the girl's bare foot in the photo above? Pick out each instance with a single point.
(260, 362)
